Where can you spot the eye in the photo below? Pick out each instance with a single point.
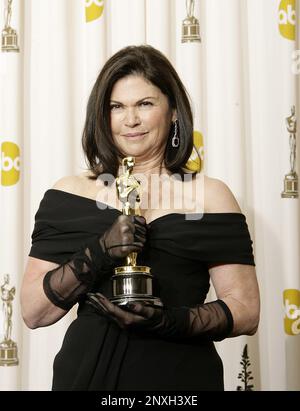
(115, 106)
(146, 103)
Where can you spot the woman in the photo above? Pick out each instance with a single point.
(139, 107)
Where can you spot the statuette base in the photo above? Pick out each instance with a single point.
(133, 284)
(10, 40)
(290, 186)
(190, 30)
(8, 353)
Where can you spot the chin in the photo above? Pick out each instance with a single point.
(134, 151)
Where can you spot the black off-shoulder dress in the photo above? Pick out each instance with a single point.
(96, 354)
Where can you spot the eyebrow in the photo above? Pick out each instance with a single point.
(139, 101)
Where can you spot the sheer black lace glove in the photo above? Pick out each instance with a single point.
(65, 285)
(126, 235)
(210, 321)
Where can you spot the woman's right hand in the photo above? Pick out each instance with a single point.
(126, 235)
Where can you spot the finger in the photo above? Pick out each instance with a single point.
(142, 309)
(140, 230)
(140, 227)
(126, 248)
(104, 301)
(131, 241)
(139, 238)
(95, 302)
(118, 316)
(113, 309)
(136, 246)
(135, 236)
(117, 312)
(140, 220)
(97, 307)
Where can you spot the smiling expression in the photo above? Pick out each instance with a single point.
(140, 118)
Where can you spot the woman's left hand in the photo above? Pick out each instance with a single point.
(133, 314)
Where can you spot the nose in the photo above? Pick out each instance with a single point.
(132, 118)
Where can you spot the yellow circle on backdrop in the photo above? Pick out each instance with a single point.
(10, 163)
(194, 163)
(93, 9)
(291, 302)
(287, 19)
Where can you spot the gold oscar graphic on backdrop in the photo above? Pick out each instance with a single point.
(287, 19)
(291, 179)
(9, 35)
(8, 348)
(10, 163)
(93, 9)
(195, 161)
(131, 282)
(190, 25)
(291, 302)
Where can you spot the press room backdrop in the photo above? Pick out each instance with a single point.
(243, 78)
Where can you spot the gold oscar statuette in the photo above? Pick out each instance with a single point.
(131, 282)
(291, 179)
(190, 25)
(8, 348)
(9, 35)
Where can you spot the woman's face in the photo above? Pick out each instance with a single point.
(140, 118)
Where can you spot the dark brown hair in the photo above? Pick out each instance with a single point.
(101, 154)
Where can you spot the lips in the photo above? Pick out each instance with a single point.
(134, 134)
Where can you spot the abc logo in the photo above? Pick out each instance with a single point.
(291, 301)
(287, 19)
(93, 9)
(10, 164)
(194, 163)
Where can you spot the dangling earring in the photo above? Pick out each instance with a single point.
(175, 138)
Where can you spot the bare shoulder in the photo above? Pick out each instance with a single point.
(72, 184)
(218, 198)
